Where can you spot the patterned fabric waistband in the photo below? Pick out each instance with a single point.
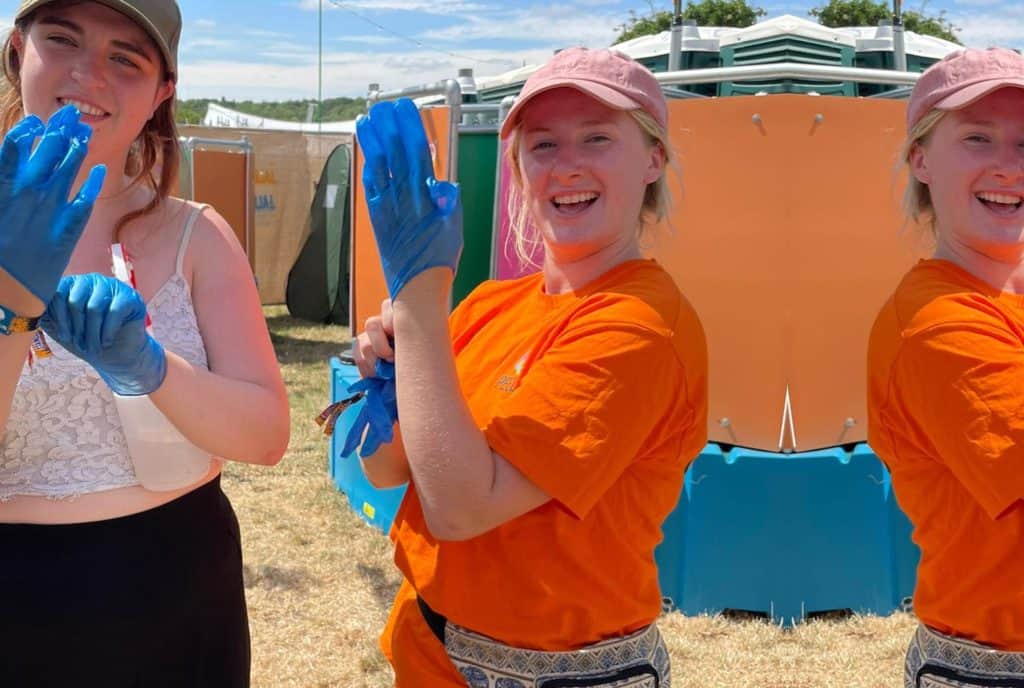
(639, 660)
(935, 660)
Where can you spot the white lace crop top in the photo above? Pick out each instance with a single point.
(64, 437)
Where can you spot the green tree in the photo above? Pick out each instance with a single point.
(334, 109)
(869, 12)
(191, 111)
(706, 13)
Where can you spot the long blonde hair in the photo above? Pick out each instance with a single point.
(917, 198)
(657, 203)
(154, 157)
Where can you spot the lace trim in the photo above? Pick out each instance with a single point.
(64, 437)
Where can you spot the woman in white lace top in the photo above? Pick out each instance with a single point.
(116, 571)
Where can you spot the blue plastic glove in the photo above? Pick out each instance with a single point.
(416, 219)
(103, 321)
(378, 413)
(39, 227)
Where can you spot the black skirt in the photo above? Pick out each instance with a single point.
(148, 600)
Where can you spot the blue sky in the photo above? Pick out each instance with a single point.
(267, 49)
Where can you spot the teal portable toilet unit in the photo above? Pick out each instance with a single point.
(787, 39)
(376, 507)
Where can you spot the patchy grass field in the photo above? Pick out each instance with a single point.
(319, 581)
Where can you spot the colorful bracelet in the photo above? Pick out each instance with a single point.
(11, 322)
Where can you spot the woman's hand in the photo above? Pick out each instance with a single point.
(416, 219)
(374, 343)
(39, 227)
(103, 321)
(374, 355)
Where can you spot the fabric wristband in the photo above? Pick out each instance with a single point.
(11, 322)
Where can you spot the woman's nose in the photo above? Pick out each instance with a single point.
(88, 70)
(566, 163)
(1009, 162)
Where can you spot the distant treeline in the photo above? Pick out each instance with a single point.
(334, 109)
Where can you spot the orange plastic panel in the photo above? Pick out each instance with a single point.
(367, 287)
(220, 178)
(787, 239)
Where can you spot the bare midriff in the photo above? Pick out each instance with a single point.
(95, 506)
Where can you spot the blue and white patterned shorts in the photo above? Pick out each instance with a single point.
(935, 660)
(639, 660)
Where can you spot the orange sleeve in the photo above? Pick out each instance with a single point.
(961, 385)
(605, 392)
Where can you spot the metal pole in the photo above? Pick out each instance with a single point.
(899, 46)
(676, 39)
(320, 67)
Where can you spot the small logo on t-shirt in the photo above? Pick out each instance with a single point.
(508, 383)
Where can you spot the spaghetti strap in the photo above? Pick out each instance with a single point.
(186, 235)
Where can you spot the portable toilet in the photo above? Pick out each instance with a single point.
(698, 50)
(787, 39)
(875, 51)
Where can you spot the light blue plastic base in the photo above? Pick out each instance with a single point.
(787, 536)
(377, 507)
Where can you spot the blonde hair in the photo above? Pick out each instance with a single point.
(656, 207)
(917, 198)
(154, 153)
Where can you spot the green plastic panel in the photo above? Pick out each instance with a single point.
(883, 59)
(478, 159)
(688, 59)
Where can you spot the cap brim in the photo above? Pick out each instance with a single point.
(974, 92)
(605, 94)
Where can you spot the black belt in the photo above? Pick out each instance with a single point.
(435, 621)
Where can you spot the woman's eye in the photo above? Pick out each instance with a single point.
(120, 59)
(977, 138)
(542, 145)
(598, 138)
(60, 40)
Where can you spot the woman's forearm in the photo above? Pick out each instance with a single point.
(230, 418)
(451, 463)
(14, 347)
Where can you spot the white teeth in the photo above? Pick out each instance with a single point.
(999, 198)
(84, 108)
(574, 198)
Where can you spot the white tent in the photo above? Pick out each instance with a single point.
(220, 116)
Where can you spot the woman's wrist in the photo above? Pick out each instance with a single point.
(432, 286)
(15, 297)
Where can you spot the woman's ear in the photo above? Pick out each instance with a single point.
(656, 165)
(918, 161)
(164, 91)
(18, 43)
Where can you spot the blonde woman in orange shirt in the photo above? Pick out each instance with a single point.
(546, 424)
(946, 366)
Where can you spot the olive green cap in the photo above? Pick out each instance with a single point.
(161, 19)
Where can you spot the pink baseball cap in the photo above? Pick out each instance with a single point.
(615, 79)
(962, 77)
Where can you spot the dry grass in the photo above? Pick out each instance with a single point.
(860, 652)
(319, 581)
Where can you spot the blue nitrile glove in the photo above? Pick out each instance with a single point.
(416, 219)
(38, 226)
(103, 321)
(379, 411)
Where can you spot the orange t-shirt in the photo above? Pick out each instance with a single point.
(946, 413)
(599, 397)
